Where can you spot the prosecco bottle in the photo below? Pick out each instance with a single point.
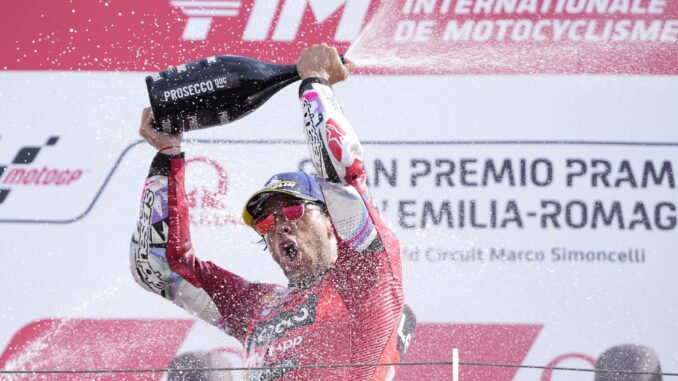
(213, 91)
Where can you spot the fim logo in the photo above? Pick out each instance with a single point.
(283, 16)
(21, 173)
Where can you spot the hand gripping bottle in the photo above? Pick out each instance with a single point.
(213, 91)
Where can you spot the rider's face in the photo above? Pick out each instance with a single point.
(303, 247)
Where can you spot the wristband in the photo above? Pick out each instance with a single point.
(162, 149)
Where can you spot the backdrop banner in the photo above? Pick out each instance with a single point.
(524, 152)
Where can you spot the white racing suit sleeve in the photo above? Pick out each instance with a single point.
(148, 250)
(163, 261)
(338, 160)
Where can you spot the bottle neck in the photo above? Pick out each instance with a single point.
(287, 73)
(283, 75)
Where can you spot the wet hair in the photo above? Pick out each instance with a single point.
(262, 241)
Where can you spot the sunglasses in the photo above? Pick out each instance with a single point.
(265, 224)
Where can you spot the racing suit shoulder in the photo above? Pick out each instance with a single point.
(163, 261)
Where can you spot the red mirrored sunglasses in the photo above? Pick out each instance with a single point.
(264, 224)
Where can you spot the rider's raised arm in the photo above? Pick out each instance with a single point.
(337, 157)
(334, 146)
(162, 258)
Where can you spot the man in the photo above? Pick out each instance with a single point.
(344, 301)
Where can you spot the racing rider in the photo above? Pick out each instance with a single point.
(344, 301)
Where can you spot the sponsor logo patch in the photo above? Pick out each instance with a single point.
(335, 138)
(276, 327)
(282, 184)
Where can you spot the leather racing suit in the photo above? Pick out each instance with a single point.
(353, 314)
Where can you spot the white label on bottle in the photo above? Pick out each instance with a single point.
(167, 125)
(221, 82)
(188, 91)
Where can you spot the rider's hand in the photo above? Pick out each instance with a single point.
(169, 144)
(323, 61)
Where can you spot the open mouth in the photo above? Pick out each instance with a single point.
(290, 251)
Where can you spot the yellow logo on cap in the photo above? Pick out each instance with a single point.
(283, 184)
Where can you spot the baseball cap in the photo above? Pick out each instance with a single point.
(300, 185)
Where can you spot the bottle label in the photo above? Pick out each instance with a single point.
(186, 91)
(198, 88)
(223, 117)
(167, 125)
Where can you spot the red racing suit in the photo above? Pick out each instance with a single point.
(353, 314)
